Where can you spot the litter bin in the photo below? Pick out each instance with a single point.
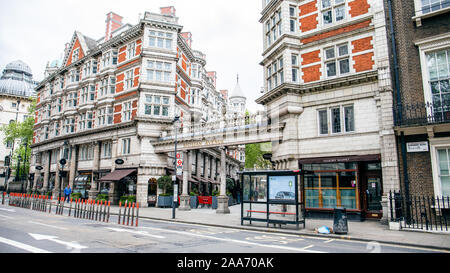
(340, 225)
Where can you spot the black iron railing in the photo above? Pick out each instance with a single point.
(420, 113)
(420, 212)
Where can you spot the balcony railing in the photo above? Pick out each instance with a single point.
(416, 114)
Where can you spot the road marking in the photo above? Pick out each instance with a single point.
(37, 223)
(145, 233)
(329, 241)
(235, 241)
(10, 210)
(23, 246)
(69, 245)
(306, 247)
(7, 217)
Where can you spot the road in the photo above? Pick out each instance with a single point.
(29, 231)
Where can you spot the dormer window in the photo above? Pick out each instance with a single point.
(75, 55)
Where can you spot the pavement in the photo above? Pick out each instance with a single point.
(369, 230)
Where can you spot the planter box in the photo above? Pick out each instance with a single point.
(165, 201)
(193, 202)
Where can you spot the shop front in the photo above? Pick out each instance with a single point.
(82, 184)
(121, 183)
(351, 182)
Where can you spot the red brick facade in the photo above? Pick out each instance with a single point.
(358, 7)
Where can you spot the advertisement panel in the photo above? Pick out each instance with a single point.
(282, 188)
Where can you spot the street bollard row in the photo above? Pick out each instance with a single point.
(27, 201)
(90, 209)
(78, 208)
(126, 213)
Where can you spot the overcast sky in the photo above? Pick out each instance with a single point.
(227, 31)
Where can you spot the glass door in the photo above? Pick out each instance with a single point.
(374, 193)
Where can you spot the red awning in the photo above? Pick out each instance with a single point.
(116, 175)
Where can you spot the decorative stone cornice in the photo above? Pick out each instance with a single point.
(317, 86)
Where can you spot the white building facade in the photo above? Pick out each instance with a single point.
(16, 95)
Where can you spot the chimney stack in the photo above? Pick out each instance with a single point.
(213, 76)
(224, 94)
(168, 11)
(187, 36)
(113, 22)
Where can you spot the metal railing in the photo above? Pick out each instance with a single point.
(422, 113)
(420, 212)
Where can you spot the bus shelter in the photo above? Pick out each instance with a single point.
(272, 196)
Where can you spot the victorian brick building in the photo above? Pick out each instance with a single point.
(420, 44)
(327, 76)
(111, 97)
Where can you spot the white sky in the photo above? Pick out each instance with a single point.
(227, 31)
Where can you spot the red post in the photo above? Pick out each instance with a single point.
(137, 213)
(128, 218)
(120, 207)
(109, 206)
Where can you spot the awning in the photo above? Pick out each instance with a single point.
(81, 178)
(116, 175)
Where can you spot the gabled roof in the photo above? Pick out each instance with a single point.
(87, 44)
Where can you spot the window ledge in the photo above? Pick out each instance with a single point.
(419, 16)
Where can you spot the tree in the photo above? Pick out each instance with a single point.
(165, 183)
(254, 157)
(21, 133)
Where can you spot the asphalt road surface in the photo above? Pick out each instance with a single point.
(29, 231)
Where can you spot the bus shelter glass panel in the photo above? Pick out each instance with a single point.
(259, 188)
(255, 210)
(282, 212)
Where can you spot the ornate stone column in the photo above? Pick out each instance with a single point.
(56, 189)
(72, 165)
(222, 200)
(93, 192)
(46, 172)
(184, 197)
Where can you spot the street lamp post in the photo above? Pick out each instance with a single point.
(174, 177)
(62, 162)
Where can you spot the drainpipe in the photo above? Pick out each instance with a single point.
(396, 74)
(399, 108)
(399, 114)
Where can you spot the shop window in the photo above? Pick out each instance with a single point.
(331, 186)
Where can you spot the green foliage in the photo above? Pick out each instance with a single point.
(165, 183)
(166, 194)
(254, 157)
(21, 133)
(215, 193)
(75, 195)
(104, 197)
(129, 198)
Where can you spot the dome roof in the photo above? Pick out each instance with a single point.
(18, 66)
(17, 80)
(237, 92)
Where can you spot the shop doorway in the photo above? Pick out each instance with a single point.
(372, 191)
(152, 191)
